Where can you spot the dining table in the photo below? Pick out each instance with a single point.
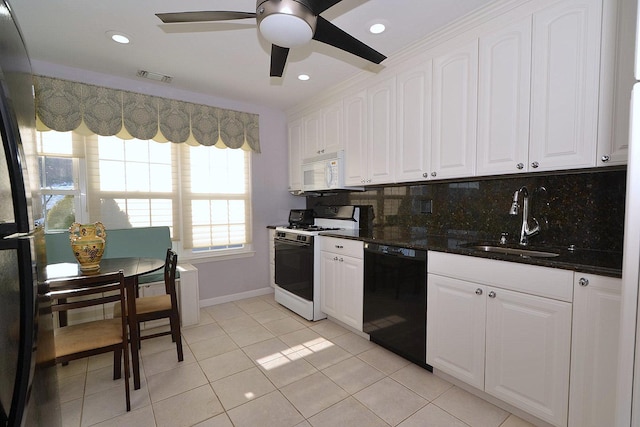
(133, 267)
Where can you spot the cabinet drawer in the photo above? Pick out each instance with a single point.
(352, 248)
(532, 279)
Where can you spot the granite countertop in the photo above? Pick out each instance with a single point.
(581, 260)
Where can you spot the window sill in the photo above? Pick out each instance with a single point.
(212, 257)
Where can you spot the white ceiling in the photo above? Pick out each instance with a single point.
(224, 59)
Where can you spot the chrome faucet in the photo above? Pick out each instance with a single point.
(525, 231)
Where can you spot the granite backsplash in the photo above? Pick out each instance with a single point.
(585, 209)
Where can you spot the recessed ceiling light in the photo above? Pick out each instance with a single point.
(303, 77)
(118, 37)
(377, 28)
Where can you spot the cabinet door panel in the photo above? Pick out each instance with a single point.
(414, 123)
(503, 100)
(312, 134)
(455, 94)
(565, 72)
(595, 339)
(355, 138)
(295, 160)
(456, 328)
(329, 298)
(352, 291)
(381, 106)
(332, 128)
(528, 342)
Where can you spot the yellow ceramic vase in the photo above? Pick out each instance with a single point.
(87, 243)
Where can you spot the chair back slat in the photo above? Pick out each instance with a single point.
(170, 265)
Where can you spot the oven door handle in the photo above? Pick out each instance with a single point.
(291, 242)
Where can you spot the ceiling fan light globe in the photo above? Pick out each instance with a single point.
(285, 23)
(286, 30)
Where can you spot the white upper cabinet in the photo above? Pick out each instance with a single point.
(295, 141)
(454, 111)
(312, 134)
(503, 100)
(413, 141)
(616, 80)
(543, 87)
(332, 118)
(564, 85)
(381, 132)
(323, 131)
(355, 138)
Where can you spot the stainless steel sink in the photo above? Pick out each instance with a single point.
(514, 251)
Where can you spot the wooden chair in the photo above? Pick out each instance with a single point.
(81, 340)
(163, 306)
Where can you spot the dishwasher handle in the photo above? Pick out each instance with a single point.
(397, 251)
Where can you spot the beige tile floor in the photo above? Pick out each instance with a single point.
(254, 363)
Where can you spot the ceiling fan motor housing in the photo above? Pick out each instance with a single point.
(285, 23)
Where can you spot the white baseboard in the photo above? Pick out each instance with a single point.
(235, 297)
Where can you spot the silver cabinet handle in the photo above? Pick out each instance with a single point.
(478, 291)
(339, 246)
(535, 165)
(520, 166)
(583, 281)
(341, 260)
(425, 175)
(605, 158)
(434, 173)
(335, 258)
(492, 294)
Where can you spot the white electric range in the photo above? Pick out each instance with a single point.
(297, 257)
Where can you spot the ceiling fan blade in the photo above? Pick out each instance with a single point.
(278, 60)
(328, 33)
(203, 16)
(318, 6)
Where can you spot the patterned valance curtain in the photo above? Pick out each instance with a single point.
(64, 105)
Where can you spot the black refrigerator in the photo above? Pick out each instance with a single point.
(28, 382)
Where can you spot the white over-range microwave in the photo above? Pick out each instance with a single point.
(325, 172)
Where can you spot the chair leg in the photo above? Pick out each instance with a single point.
(127, 392)
(117, 364)
(174, 321)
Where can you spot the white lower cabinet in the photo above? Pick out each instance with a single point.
(488, 333)
(342, 280)
(594, 353)
(528, 342)
(456, 313)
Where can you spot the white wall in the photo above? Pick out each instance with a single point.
(271, 200)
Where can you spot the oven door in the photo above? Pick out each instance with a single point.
(294, 267)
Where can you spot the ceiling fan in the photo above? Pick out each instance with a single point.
(287, 24)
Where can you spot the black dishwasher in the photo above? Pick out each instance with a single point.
(395, 300)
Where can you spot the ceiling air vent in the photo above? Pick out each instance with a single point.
(154, 76)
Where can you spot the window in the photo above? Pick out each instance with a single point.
(201, 193)
(133, 183)
(60, 181)
(216, 210)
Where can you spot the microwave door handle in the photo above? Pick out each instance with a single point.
(329, 174)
